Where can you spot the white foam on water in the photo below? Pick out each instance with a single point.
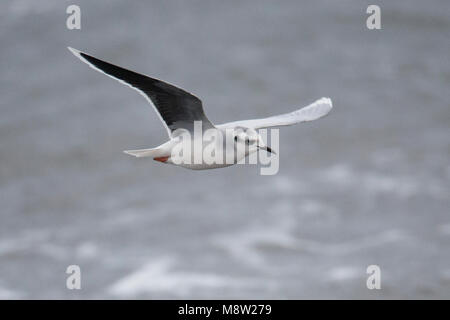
(374, 183)
(159, 276)
(54, 251)
(287, 186)
(401, 186)
(355, 245)
(311, 208)
(25, 240)
(7, 294)
(340, 174)
(281, 185)
(87, 250)
(344, 273)
(245, 245)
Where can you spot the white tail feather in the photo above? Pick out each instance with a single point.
(143, 153)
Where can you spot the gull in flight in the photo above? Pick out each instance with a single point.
(180, 110)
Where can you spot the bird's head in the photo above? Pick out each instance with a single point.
(251, 140)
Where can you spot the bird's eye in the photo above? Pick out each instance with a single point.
(235, 138)
(247, 141)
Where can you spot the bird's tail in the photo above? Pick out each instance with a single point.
(141, 153)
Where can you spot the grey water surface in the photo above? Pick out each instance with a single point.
(368, 184)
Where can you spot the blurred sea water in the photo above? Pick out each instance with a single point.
(369, 184)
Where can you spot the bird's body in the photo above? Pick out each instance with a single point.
(194, 142)
(197, 146)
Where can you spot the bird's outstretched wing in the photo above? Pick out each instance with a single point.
(312, 112)
(177, 108)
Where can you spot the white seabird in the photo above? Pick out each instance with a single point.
(180, 110)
